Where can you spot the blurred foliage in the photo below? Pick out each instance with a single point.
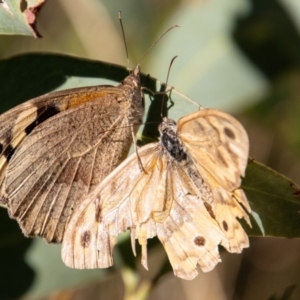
(13, 267)
(287, 295)
(268, 37)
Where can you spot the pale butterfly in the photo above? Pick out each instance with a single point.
(185, 190)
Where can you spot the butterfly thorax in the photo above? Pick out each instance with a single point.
(170, 141)
(178, 155)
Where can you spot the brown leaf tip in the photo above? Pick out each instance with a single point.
(31, 15)
(225, 226)
(199, 241)
(85, 239)
(229, 133)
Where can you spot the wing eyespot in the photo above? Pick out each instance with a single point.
(229, 133)
(225, 225)
(85, 239)
(199, 241)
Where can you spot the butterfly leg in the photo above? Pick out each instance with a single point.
(135, 149)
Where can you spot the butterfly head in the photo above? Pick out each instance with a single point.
(136, 71)
(166, 125)
(133, 80)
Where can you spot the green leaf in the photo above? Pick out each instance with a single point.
(274, 198)
(17, 20)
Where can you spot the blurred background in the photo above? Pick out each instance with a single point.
(242, 56)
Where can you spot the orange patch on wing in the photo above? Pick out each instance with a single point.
(80, 99)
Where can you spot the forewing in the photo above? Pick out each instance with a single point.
(17, 123)
(57, 165)
(218, 144)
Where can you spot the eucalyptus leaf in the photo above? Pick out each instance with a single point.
(274, 198)
(17, 20)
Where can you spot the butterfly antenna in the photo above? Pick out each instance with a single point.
(124, 39)
(150, 48)
(168, 74)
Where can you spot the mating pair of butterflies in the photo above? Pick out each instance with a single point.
(61, 177)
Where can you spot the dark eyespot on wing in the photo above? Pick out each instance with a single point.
(229, 133)
(43, 113)
(85, 239)
(225, 225)
(199, 241)
(8, 152)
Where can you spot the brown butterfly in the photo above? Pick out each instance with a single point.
(187, 193)
(56, 148)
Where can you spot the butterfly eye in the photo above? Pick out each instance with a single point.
(199, 241)
(167, 124)
(229, 133)
(136, 82)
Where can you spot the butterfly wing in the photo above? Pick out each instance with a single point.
(189, 234)
(219, 146)
(161, 200)
(20, 121)
(227, 209)
(112, 208)
(56, 166)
